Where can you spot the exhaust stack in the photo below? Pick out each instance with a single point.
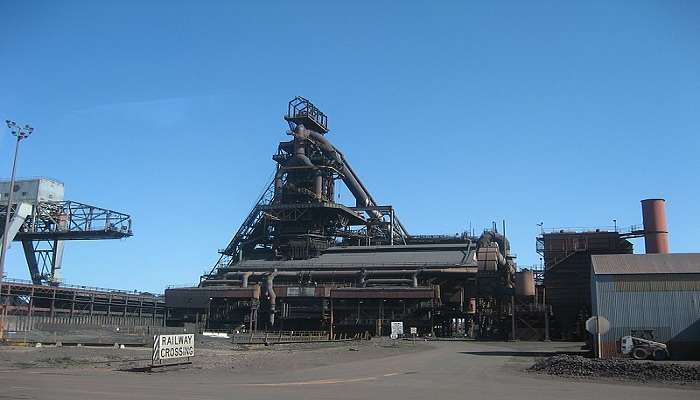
(655, 227)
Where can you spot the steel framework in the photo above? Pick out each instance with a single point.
(49, 224)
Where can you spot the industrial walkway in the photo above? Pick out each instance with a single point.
(449, 370)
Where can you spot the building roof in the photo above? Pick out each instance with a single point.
(379, 256)
(629, 264)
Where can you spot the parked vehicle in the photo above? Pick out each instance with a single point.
(643, 349)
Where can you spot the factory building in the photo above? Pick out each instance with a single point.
(652, 296)
(302, 260)
(567, 257)
(567, 267)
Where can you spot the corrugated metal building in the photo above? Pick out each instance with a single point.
(654, 296)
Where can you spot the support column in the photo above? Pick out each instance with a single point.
(31, 309)
(56, 260)
(53, 304)
(514, 335)
(250, 319)
(92, 306)
(72, 307)
(109, 309)
(391, 223)
(332, 321)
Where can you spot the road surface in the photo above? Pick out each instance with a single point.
(448, 370)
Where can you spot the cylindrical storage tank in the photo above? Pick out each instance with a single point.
(655, 228)
(525, 284)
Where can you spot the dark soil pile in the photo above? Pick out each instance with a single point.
(577, 366)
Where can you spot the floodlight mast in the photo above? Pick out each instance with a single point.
(21, 132)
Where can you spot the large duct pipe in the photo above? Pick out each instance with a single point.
(655, 227)
(245, 277)
(318, 185)
(362, 198)
(489, 236)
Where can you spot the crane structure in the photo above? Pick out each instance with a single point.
(43, 227)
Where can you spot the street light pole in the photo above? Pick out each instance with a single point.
(21, 132)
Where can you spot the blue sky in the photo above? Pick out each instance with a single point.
(456, 113)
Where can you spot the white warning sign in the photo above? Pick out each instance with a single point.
(167, 347)
(396, 329)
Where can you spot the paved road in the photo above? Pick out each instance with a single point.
(448, 371)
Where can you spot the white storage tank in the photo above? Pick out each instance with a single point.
(32, 190)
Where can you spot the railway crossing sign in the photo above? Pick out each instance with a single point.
(172, 348)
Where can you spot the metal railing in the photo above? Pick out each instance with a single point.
(279, 337)
(583, 229)
(83, 287)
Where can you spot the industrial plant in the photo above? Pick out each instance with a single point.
(304, 261)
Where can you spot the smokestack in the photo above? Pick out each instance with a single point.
(655, 228)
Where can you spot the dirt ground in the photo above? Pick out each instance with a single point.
(211, 353)
(377, 369)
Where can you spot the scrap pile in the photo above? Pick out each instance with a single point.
(577, 366)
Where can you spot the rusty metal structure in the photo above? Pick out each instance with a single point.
(26, 306)
(302, 260)
(42, 221)
(655, 227)
(567, 263)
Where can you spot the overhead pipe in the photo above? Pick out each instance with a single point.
(244, 275)
(247, 275)
(369, 195)
(370, 282)
(362, 198)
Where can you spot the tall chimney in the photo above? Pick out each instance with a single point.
(655, 228)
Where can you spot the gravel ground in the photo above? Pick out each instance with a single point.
(620, 369)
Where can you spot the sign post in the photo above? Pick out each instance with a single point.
(414, 333)
(172, 349)
(598, 326)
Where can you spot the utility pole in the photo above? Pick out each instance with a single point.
(21, 132)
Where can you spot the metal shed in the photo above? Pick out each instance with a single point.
(654, 296)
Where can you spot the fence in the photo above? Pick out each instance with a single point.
(279, 337)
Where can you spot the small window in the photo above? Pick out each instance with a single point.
(24, 193)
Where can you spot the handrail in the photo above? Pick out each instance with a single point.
(83, 287)
(579, 229)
